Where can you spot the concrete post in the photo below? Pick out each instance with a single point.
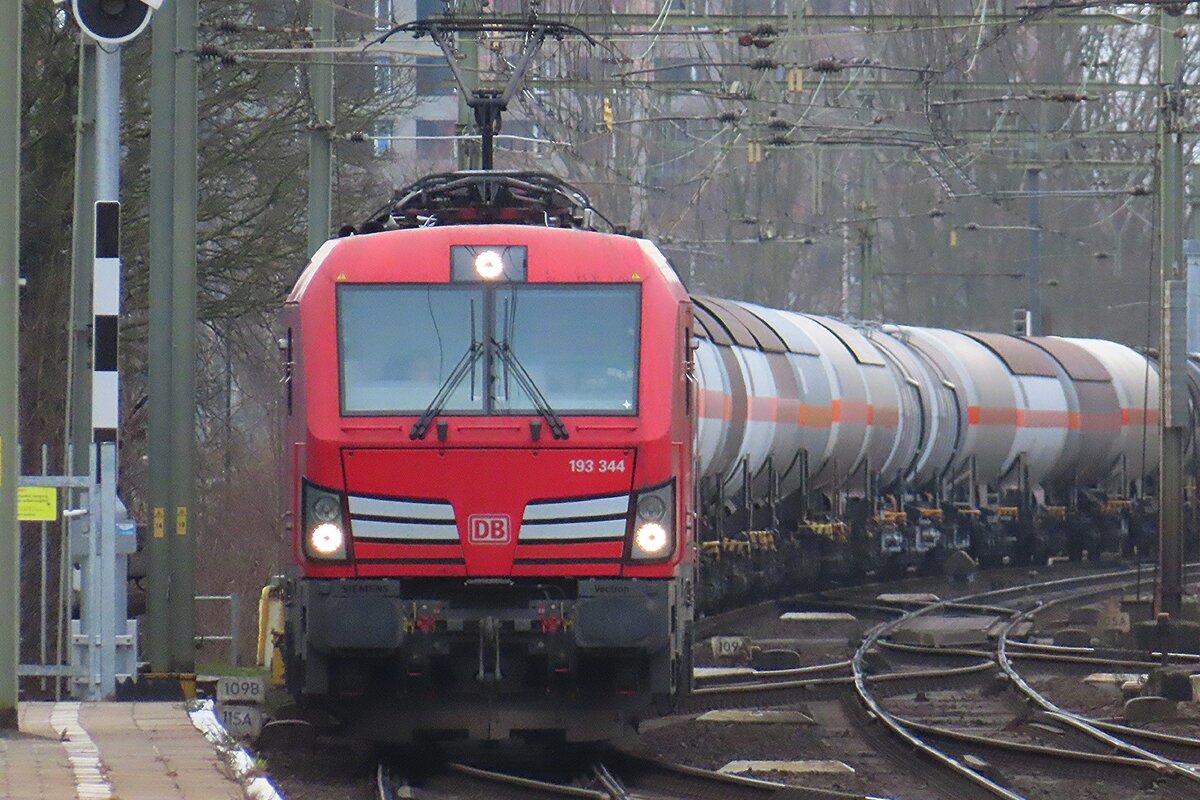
(1173, 342)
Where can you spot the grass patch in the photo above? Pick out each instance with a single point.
(224, 668)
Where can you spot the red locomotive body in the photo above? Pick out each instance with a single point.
(489, 432)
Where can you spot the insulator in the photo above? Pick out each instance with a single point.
(208, 52)
(727, 116)
(228, 26)
(780, 139)
(828, 65)
(766, 29)
(763, 64)
(779, 124)
(745, 40)
(356, 136)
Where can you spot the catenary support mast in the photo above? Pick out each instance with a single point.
(183, 344)
(161, 461)
(10, 170)
(1173, 339)
(320, 134)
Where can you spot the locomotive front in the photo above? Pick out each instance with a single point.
(490, 430)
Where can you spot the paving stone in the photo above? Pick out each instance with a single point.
(146, 751)
(1148, 708)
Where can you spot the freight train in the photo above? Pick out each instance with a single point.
(521, 456)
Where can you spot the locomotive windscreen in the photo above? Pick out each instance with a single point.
(399, 345)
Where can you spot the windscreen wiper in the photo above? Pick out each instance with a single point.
(557, 428)
(463, 368)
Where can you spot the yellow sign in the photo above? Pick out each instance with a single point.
(160, 522)
(37, 503)
(181, 520)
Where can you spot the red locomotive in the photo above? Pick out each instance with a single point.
(489, 431)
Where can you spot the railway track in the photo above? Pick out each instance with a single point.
(615, 776)
(1112, 746)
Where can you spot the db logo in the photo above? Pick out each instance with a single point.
(488, 529)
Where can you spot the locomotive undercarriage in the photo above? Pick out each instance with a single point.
(488, 659)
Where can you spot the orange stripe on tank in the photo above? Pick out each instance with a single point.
(977, 415)
(887, 416)
(1139, 416)
(855, 412)
(835, 411)
(813, 416)
(761, 409)
(1043, 418)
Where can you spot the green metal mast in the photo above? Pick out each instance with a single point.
(183, 344)
(320, 135)
(470, 153)
(10, 206)
(83, 239)
(161, 461)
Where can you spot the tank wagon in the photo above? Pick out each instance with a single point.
(825, 448)
(520, 455)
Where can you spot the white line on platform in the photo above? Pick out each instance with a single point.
(257, 787)
(90, 783)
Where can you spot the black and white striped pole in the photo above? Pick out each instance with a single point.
(106, 309)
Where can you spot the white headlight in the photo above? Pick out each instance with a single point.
(326, 508)
(651, 538)
(489, 265)
(326, 539)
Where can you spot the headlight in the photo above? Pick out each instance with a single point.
(653, 536)
(650, 538)
(325, 531)
(326, 508)
(327, 539)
